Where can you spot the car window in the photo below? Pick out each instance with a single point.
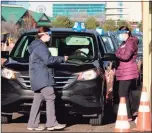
(101, 45)
(21, 50)
(79, 46)
(114, 40)
(108, 44)
(119, 41)
(77, 40)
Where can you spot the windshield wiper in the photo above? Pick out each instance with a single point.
(74, 62)
(79, 58)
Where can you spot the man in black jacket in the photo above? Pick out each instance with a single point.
(42, 81)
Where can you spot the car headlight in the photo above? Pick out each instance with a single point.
(9, 74)
(88, 75)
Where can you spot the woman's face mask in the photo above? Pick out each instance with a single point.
(122, 37)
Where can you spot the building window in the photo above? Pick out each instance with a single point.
(89, 9)
(120, 3)
(120, 10)
(121, 16)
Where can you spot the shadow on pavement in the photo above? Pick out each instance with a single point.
(70, 119)
(110, 116)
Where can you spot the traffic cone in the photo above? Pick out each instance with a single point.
(144, 120)
(122, 124)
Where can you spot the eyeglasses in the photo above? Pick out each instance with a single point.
(47, 33)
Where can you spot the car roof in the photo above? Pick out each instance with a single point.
(108, 33)
(137, 34)
(63, 30)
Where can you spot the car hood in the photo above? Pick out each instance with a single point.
(72, 66)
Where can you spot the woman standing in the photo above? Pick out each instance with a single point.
(127, 71)
(42, 81)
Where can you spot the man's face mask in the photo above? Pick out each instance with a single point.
(49, 36)
(49, 42)
(48, 39)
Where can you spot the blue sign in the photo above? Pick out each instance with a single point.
(100, 31)
(79, 26)
(136, 30)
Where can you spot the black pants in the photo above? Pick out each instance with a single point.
(127, 89)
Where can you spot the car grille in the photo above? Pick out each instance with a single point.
(60, 82)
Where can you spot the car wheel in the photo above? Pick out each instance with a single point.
(99, 119)
(96, 121)
(6, 119)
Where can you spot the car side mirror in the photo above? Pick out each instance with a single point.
(4, 54)
(109, 57)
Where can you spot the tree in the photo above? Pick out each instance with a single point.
(62, 22)
(28, 22)
(72, 24)
(109, 25)
(16, 29)
(11, 28)
(123, 23)
(91, 23)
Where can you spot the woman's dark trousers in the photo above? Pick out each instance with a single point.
(126, 87)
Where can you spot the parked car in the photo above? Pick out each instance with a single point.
(139, 35)
(78, 83)
(110, 41)
(140, 45)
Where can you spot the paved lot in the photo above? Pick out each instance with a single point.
(77, 124)
(74, 124)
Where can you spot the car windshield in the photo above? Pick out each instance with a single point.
(108, 44)
(76, 46)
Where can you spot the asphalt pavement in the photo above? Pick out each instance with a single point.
(74, 123)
